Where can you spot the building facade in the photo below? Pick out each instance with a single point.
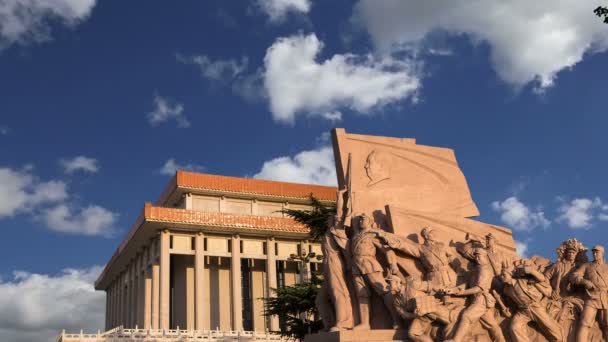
(207, 252)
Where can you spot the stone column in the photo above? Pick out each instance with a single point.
(164, 280)
(155, 296)
(147, 290)
(133, 302)
(114, 304)
(107, 316)
(147, 296)
(118, 299)
(121, 304)
(138, 287)
(271, 276)
(199, 280)
(237, 297)
(188, 201)
(155, 289)
(129, 289)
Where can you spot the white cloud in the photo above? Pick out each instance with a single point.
(310, 167)
(79, 163)
(528, 40)
(296, 82)
(35, 307)
(522, 248)
(90, 220)
(218, 70)
(580, 212)
(332, 115)
(21, 191)
(516, 214)
(165, 110)
(277, 10)
(25, 21)
(171, 166)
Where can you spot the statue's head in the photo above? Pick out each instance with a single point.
(598, 252)
(365, 222)
(428, 234)
(490, 240)
(480, 256)
(377, 166)
(571, 250)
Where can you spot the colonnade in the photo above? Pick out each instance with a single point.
(141, 294)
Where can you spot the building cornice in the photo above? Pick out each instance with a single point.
(155, 218)
(244, 187)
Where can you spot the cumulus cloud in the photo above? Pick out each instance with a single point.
(581, 212)
(21, 191)
(90, 220)
(529, 41)
(297, 83)
(48, 201)
(277, 10)
(311, 167)
(35, 307)
(171, 166)
(516, 214)
(26, 21)
(216, 70)
(79, 163)
(522, 248)
(166, 110)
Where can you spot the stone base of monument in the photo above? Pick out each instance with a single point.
(377, 335)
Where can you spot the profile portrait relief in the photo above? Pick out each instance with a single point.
(377, 167)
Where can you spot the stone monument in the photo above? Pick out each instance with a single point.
(405, 260)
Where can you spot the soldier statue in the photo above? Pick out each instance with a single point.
(368, 272)
(481, 300)
(526, 286)
(593, 277)
(333, 299)
(416, 302)
(434, 256)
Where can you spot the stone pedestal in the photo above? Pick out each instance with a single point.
(377, 335)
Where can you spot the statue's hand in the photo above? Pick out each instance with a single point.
(588, 285)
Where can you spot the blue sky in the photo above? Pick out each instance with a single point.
(101, 100)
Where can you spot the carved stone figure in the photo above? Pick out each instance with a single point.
(526, 286)
(415, 301)
(567, 303)
(377, 167)
(336, 257)
(594, 278)
(559, 273)
(434, 256)
(481, 300)
(367, 271)
(496, 257)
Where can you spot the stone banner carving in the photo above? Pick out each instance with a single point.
(403, 254)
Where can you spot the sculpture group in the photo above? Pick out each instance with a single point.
(434, 272)
(476, 292)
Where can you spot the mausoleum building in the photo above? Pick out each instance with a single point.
(204, 255)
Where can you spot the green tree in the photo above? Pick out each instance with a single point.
(296, 304)
(602, 12)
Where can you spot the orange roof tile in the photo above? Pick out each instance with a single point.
(265, 223)
(247, 185)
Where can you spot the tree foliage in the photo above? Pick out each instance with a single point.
(295, 304)
(315, 219)
(602, 12)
